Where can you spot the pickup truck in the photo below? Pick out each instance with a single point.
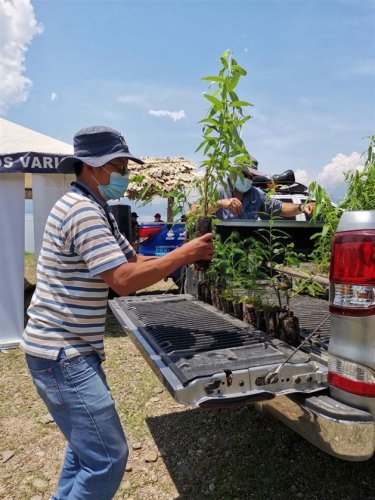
(325, 390)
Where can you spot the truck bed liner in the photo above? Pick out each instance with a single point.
(199, 342)
(310, 312)
(206, 354)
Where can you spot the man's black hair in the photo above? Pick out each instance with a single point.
(78, 166)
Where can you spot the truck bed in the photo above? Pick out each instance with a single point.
(205, 357)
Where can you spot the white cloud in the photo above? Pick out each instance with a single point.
(333, 173)
(302, 176)
(53, 96)
(332, 176)
(146, 96)
(18, 27)
(132, 99)
(175, 115)
(150, 95)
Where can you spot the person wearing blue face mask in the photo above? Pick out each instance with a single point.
(242, 200)
(82, 256)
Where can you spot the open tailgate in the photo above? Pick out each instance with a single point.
(208, 358)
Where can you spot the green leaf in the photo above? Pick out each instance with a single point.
(232, 84)
(244, 120)
(210, 121)
(200, 146)
(224, 61)
(213, 78)
(218, 104)
(239, 104)
(240, 70)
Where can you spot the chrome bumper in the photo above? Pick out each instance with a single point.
(337, 429)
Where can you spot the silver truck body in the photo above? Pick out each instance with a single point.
(181, 339)
(353, 337)
(352, 340)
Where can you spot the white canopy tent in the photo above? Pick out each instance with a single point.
(23, 150)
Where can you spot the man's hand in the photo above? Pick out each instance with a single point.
(141, 273)
(309, 208)
(200, 248)
(232, 204)
(291, 209)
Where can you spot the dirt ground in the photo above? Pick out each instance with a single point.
(175, 452)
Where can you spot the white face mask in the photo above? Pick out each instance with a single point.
(243, 185)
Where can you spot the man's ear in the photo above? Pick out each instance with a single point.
(88, 168)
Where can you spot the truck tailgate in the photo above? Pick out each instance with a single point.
(210, 359)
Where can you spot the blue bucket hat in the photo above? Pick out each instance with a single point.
(96, 146)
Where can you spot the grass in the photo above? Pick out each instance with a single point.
(222, 454)
(30, 267)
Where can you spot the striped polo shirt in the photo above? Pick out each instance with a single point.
(69, 304)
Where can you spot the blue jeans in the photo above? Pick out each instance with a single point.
(76, 394)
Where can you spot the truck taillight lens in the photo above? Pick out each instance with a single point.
(351, 377)
(352, 273)
(355, 296)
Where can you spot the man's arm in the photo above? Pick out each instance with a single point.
(234, 205)
(142, 258)
(132, 276)
(291, 209)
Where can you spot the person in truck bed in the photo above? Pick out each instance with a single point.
(83, 254)
(242, 200)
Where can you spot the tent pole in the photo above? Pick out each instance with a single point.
(170, 209)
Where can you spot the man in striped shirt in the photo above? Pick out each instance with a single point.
(83, 254)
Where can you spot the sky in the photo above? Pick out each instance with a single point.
(137, 66)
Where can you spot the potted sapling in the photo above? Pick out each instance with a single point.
(225, 154)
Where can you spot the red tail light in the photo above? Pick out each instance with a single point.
(352, 273)
(351, 377)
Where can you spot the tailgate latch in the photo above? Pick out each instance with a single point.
(212, 386)
(229, 377)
